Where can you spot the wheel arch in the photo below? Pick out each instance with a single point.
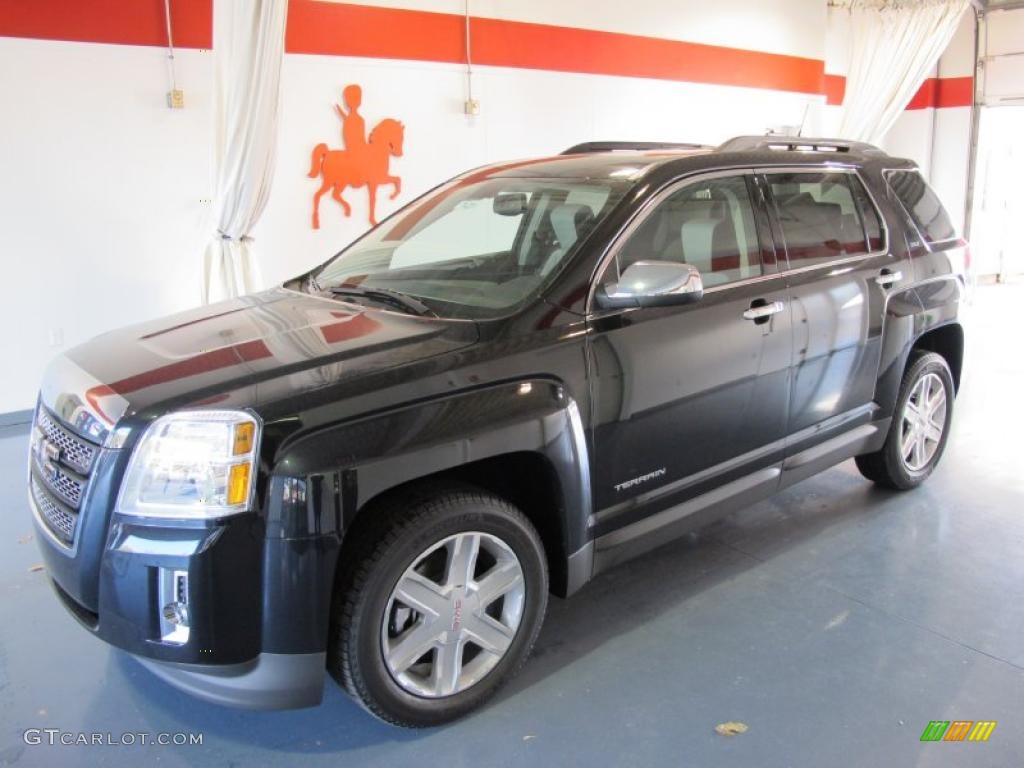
(948, 342)
(525, 478)
(925, 316)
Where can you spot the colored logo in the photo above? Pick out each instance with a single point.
(958, 730)
(363, 162)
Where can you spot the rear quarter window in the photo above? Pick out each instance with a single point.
(922, 205)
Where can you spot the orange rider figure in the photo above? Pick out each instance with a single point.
(353, 127)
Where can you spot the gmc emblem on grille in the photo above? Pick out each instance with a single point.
(51, 451)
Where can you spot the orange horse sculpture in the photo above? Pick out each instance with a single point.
(367, 166)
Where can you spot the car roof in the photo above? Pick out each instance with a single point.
(634, 161)
(622, 164)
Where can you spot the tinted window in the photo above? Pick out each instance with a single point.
(922, 204)
(709, 225)
(820, 218)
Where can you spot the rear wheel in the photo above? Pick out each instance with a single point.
(920, 426)
(440, 606)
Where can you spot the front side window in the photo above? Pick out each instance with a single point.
(709, 225)
(820, 217)
(476, 249)
(922, 204)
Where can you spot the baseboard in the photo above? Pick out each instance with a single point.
(14, 418)
(998, 279)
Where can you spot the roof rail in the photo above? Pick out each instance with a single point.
(798, 144)
(626, 146)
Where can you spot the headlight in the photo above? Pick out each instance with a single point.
(192, 464)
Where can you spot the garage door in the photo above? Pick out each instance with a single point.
(1001, 64)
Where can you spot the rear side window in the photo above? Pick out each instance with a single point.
(824, 217)
(922, 204)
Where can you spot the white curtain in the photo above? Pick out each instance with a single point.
(894, 46)
(248, 45)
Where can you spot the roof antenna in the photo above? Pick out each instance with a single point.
(803, 120)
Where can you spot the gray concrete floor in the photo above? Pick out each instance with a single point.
(835, 620)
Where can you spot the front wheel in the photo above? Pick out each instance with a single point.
(440, 606)
(920, 426)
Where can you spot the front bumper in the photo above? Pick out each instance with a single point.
(222, 564)
(256, 586)
(258, 606)
(270, 681)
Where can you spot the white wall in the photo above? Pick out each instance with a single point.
(99, 194)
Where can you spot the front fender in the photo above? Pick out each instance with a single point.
(384, 451)
(320, 481)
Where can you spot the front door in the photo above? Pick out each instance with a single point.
(690, 397)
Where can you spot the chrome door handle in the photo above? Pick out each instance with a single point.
(766, 310)
(888, 278)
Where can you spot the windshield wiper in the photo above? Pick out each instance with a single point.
(386, 296)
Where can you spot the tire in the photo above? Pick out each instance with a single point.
(891, 466)
(412, 547)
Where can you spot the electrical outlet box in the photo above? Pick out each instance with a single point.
(472, 107)
(176, 99)
(56, 337)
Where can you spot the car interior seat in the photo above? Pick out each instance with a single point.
(570, 221)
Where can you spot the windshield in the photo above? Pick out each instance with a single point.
(476, 249)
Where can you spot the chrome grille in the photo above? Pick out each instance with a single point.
(67, 487)
(60, 520)
(75, 452)
(60, 465)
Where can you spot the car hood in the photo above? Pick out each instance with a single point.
(208, 355)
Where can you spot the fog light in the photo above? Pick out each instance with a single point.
(174, 615)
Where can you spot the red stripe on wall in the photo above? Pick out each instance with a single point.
(564, 49)
(835, 89)
(926, 95)
(935, 92)
(940, 92)
(955, 92)
(343, 29)
(125, 22)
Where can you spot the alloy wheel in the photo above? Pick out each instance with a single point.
(924, 419)
(453, 614)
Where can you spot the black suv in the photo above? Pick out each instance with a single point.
(533, 372)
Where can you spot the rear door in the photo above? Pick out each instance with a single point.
(838, 271)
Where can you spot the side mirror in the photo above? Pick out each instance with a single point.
(510, 203)
(652, 284)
